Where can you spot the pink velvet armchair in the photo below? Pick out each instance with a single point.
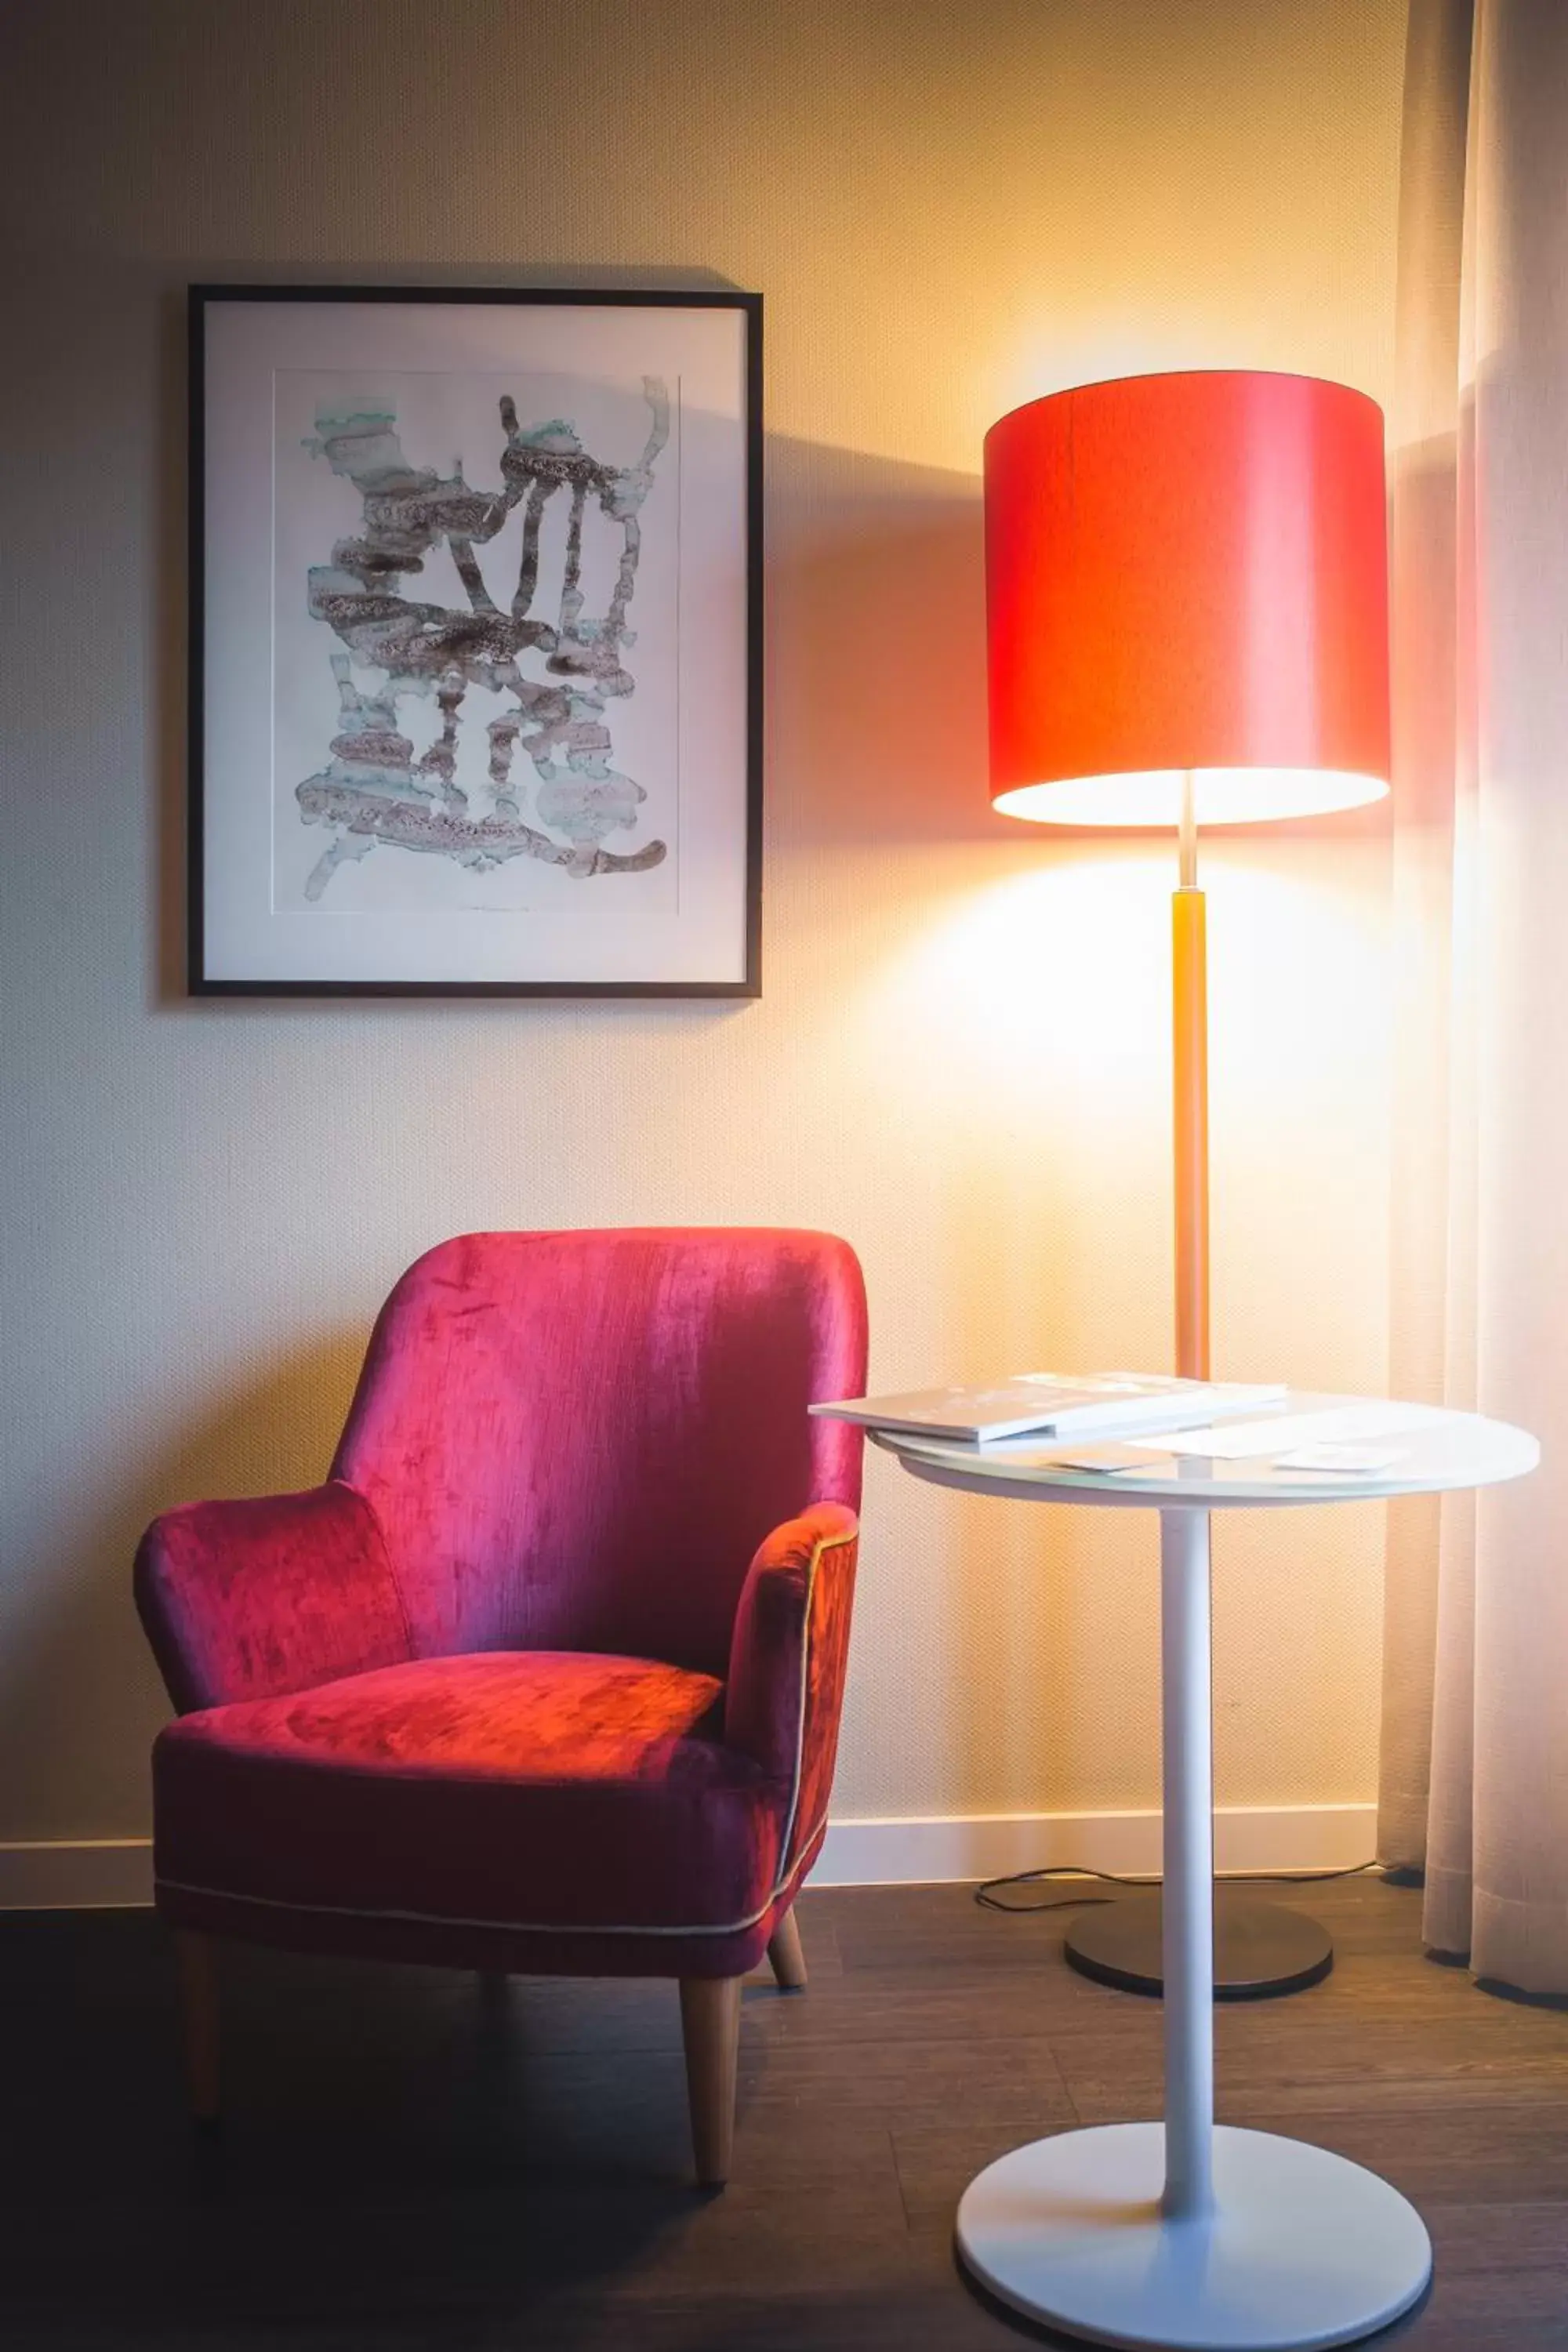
(546, 1677)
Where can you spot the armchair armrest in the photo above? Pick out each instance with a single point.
(787, 1658)
(252, 1600)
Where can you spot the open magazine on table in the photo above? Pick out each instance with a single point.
(1057, 1404)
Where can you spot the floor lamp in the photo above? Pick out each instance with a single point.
(1187, 624)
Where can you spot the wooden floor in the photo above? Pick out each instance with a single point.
(405, 2165)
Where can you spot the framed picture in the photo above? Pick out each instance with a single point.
(475, 642)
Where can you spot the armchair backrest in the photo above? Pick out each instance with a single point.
(578, 1440)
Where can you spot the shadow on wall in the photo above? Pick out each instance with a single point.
(76, 1681)
(875, 644)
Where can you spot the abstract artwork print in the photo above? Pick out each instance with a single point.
(477, 626)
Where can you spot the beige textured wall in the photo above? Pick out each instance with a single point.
(960, 1058)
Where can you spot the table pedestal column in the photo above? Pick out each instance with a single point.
(1184, 2235)
(1188, 1835)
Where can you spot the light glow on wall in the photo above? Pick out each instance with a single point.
(1034, 1005)
(1061, 966)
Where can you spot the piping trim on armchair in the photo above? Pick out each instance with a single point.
(504, 1926)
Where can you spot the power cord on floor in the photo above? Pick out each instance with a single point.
(986, 1897)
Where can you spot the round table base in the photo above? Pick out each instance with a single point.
(1302, 2249)
(1259, 1948)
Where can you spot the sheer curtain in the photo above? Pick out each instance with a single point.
(1475, 1759)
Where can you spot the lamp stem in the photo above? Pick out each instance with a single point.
(1187, 836)
(1189, 996)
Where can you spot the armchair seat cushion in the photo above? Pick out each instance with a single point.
(527, 1793)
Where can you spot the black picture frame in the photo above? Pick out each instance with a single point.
(203, 983)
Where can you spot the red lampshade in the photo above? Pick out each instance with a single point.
(1187, 572)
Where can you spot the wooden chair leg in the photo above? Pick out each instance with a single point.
(199, 2011)
(785, 1953)
(710, 2024)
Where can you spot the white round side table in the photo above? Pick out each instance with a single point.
(1184, 2234)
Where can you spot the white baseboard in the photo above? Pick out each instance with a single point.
(901, 1853)
(88, 1873)
(75, 1875)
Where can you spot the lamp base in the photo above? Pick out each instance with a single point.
(1260, 1948)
